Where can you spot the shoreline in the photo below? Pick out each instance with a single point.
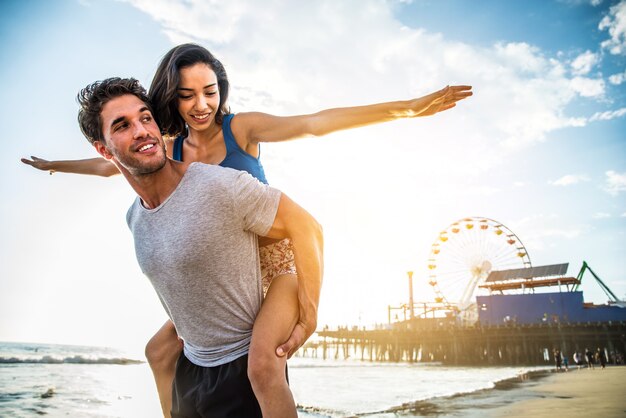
(478, 400)
(578, 393)
(537, 393)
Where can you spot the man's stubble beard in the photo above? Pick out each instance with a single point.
(137, 169)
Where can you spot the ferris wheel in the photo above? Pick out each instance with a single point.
(463, 256)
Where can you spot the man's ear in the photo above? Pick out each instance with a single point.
(102, 150)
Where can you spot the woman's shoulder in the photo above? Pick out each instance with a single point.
(245, 118)
(245, 121)
(236, 127)
(248, 121)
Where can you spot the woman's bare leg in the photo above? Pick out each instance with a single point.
(162, 352)
(272, 327)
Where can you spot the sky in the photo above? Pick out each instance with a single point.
(540, 148)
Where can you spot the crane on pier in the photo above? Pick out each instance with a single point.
(613, 300)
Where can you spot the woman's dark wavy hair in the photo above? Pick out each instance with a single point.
(93, 98)
(163, 91)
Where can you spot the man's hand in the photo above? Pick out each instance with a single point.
(298, 337)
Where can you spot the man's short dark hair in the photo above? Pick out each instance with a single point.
(93, 98)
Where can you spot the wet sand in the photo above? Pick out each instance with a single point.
(577, 393)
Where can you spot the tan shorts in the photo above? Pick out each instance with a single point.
(276, 259)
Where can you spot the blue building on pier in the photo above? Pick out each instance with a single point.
(512, 298)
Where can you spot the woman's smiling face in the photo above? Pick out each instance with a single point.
(198, 96)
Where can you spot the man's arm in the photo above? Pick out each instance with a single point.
(293, 222)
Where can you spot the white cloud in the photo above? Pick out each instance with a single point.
(618, 78)
(584, 63)
(615, 182)
(217, 21)
(588, 87)
(623, 215)
(608, 115)
(519, 184)
(598, 116)
(615, 23)
(569, 233)
(480, 191)
(601, 215)
(521, 56)
(569, 179)
(542, 231)
(594, 3)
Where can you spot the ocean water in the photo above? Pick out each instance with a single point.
(72, 381)
(93, 382)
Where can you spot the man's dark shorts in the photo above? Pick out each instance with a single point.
(217, 392)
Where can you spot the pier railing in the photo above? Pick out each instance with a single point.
(447, 343)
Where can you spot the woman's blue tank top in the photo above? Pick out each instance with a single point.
(235, 157)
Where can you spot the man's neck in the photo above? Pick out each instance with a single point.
(155, 188)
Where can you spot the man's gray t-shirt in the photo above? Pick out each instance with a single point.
(200, 251)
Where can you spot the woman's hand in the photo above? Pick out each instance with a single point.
(38, 163)
(439, 101)
(93, 166)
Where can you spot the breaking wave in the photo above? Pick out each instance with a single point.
(68, 360)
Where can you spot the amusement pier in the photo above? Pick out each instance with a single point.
(491, 307)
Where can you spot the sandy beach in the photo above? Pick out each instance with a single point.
(577, 393)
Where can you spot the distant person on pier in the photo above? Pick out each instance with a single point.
(589, 356)
(557, 359)
(578, 359)
(600, 357)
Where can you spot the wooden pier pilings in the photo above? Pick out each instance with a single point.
(478, 345)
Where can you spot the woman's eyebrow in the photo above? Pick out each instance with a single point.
(207, 86)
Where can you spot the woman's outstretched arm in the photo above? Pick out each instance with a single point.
(92, 166)
(258, 127)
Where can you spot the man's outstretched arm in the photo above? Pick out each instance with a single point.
(293, 222)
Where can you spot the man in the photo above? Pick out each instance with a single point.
(195, 230)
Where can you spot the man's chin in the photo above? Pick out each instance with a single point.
(137, 168)
(149, 169)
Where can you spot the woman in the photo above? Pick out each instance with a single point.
(189, 93)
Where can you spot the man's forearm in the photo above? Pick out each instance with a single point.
(308, 246)
(293, 222)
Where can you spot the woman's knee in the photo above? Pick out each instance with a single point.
(153, 351)
(163, 348)
(265, 368)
